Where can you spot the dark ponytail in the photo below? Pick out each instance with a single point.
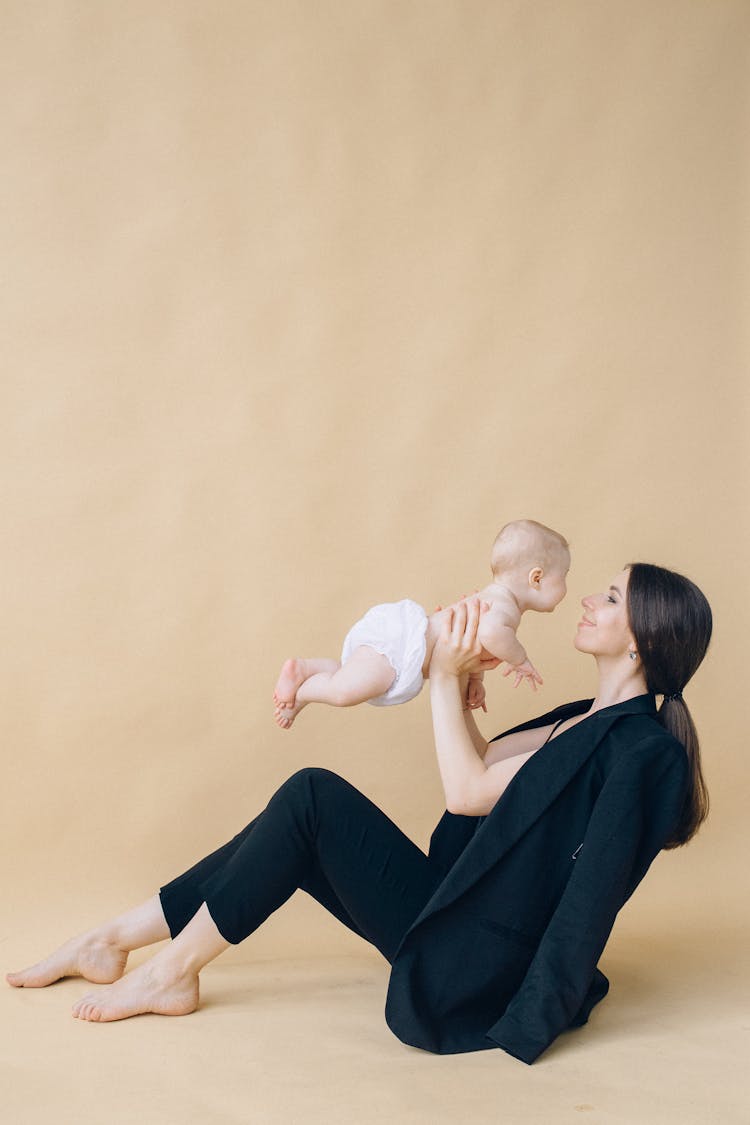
(671, 624)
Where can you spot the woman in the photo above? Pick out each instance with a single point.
(494, 936)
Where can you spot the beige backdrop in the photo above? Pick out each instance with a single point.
(301, 302)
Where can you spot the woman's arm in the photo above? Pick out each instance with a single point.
(479, 743)
(510, 745)
(459, 759)
(471, 787)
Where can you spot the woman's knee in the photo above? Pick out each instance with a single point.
(308, 792)
(312, 780)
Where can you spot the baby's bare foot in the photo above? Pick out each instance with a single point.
(285, 716)
(292, 674)
(90, 955)
(149, 988)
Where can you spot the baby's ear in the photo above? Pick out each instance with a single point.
(535, 575)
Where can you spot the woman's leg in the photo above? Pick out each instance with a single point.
(100, 954)
(167, 984)
(318, 833)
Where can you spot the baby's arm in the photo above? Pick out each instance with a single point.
(474, 694)
(498, 636)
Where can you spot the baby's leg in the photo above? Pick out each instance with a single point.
(294, 672)
(365, 675)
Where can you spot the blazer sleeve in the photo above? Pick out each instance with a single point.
(634, 814)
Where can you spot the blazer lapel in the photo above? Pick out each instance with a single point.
(532, 790)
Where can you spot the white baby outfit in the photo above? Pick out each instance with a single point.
(397, 630)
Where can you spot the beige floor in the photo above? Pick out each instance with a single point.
(305, 1041)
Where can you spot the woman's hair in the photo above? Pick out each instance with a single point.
(671, 622)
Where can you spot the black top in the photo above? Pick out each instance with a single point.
(505, 951)
(480, 819)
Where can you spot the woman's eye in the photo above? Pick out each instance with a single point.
(611, 599)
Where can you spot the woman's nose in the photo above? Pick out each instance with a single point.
(586, 602)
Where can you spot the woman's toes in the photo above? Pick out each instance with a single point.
(36, 976)
(80, 1004)
(89, 956)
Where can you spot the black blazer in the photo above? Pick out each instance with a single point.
(504, 953)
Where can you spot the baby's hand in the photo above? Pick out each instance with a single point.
(525, 671)
(475, 695)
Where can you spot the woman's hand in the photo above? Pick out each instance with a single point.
(458, 650)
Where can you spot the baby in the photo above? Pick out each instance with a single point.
(386, 655)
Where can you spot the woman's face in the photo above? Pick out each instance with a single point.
(604, 629)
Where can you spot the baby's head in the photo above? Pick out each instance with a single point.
(534, 557)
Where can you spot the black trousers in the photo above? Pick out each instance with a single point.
(318, 833)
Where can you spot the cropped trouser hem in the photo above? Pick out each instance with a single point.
(321, 835)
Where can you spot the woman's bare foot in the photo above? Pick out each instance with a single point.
(153, 987)
(91, 955)
(285, 716)
(293, 673)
